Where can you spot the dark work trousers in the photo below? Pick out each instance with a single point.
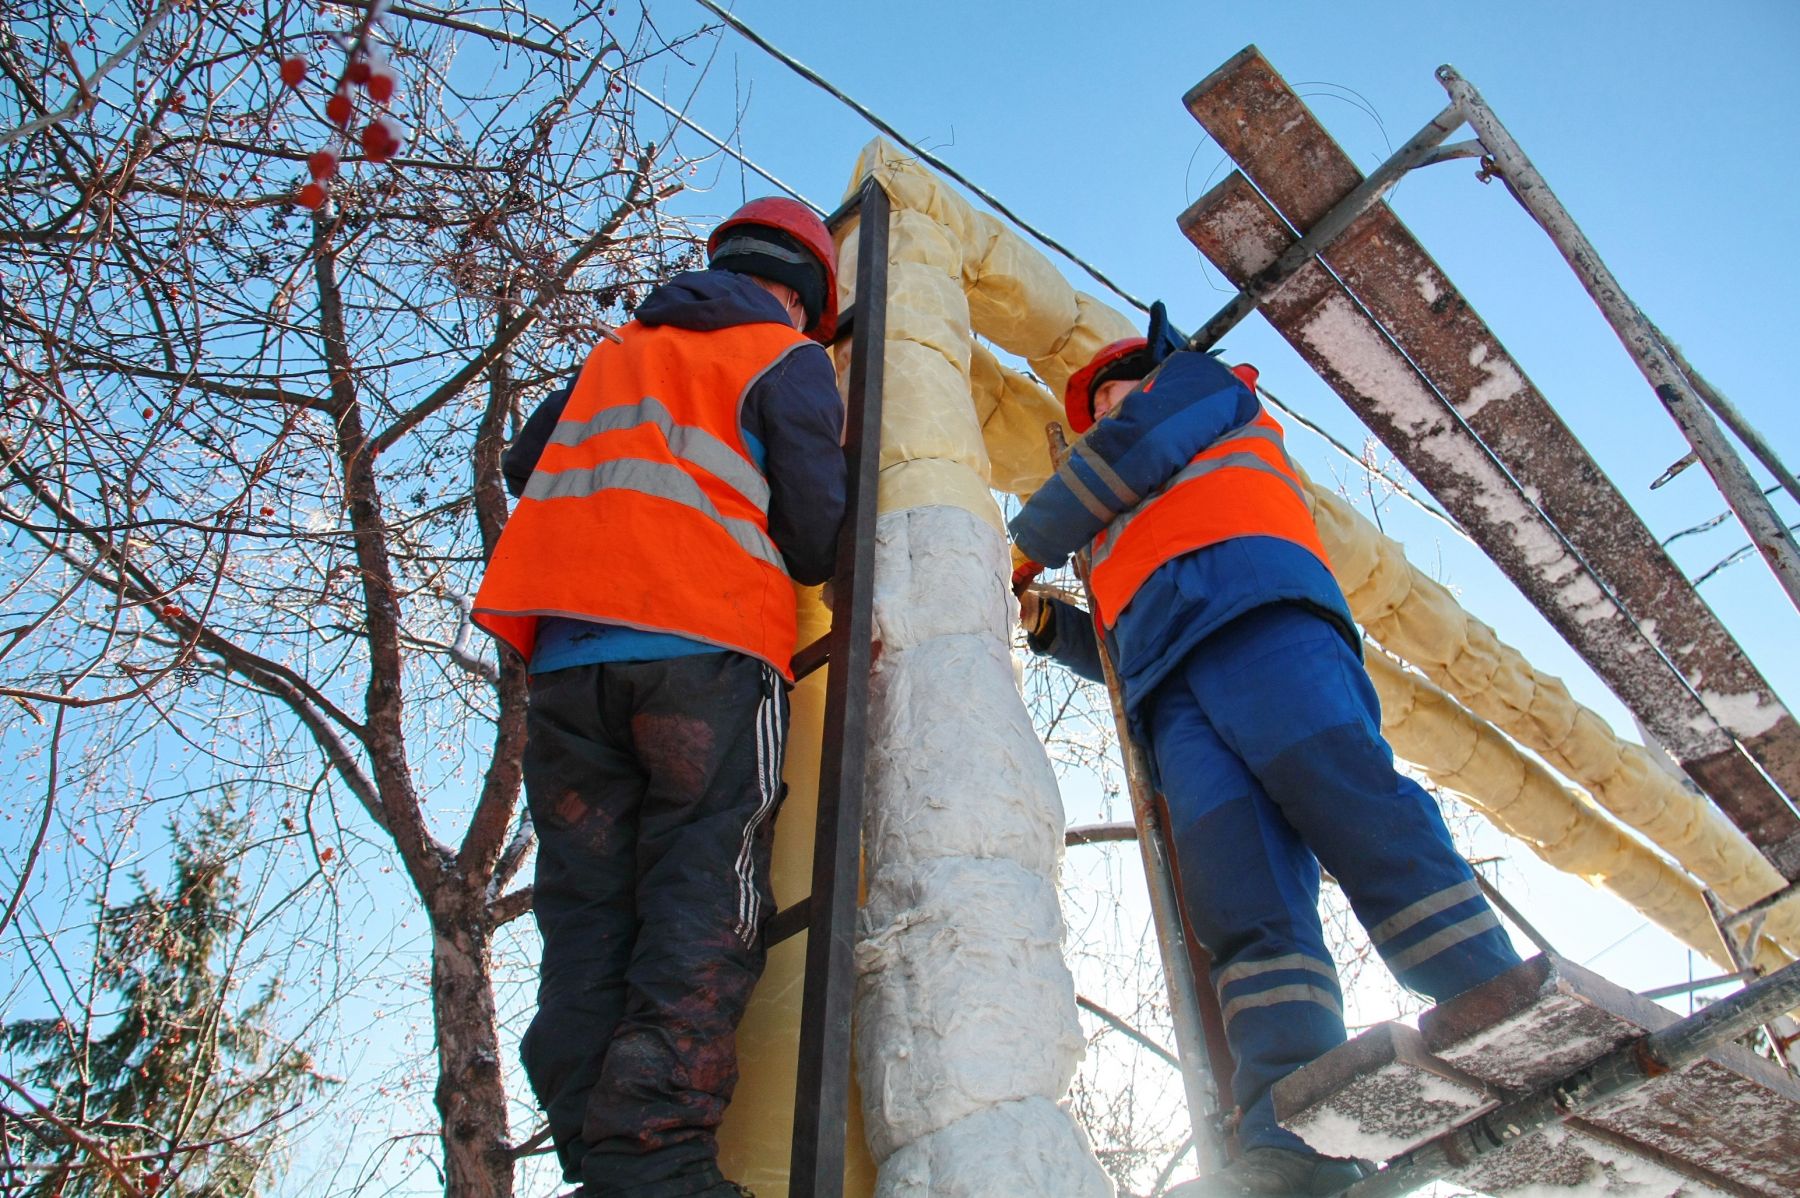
(653, 787)
(1268, 746)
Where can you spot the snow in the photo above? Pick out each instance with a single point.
(1584, 1165)
(1744, 714)
(1500, 381)
(1385, 1114)
(1343, 337)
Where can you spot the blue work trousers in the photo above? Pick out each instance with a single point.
(1267, 742)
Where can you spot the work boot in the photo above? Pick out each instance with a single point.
(1267, 1172)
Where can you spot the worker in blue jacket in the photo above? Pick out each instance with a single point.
(1242, 673)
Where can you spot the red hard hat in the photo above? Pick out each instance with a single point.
(1078, 395)
(803, 225)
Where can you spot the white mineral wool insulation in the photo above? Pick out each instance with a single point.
(958, 1161)
(939, 571)
(955, 767)
(962, 997)
(962, 779)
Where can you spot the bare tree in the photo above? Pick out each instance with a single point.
(250, 451)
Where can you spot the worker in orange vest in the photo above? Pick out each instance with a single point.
(1242, 672)
(669, 499)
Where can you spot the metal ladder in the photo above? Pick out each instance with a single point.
(828, 913)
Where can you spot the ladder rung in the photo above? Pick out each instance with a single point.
(846, 325)
(812, 657)
(788, 922)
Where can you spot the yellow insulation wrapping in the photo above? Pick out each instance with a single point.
(1013, 411)
(757, 1138)
(1473, 759)
(1005, 291)
(1421, 622)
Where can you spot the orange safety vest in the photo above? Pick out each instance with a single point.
(646, 509)
(1242, 485)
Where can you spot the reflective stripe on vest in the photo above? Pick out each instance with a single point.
(646, 509)
(1243, 484)
(693, 445)
(686, 442)
(653, 478)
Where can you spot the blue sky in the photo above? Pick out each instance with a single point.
(1660, 125)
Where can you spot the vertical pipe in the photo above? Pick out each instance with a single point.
(1638, 335)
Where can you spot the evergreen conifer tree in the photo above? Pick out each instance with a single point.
(181, 1091)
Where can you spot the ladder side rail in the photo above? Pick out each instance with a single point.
(822, 1095)
(1179, 969)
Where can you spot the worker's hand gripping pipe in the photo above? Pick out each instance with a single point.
(1165, 905)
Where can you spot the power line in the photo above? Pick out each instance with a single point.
(1424, 505)
(813, 77)
(683, 118)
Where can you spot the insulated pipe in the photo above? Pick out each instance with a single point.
(966, 1031)
(1474, 761)
(1637, 334)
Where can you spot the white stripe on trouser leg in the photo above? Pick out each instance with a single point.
(1437, 942)
(1300, 992)
(1248, 969)
(1412, 915)
(768, 785)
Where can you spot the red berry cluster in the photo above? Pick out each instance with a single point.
(381, 137)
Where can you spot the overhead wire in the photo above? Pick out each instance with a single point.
(813, 77)
(1424, 505)
(924, 155)
(683, 119)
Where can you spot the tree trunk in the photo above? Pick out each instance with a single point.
(471, 1095)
